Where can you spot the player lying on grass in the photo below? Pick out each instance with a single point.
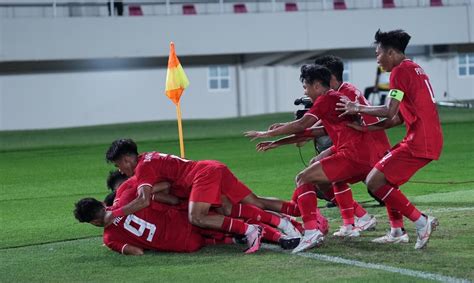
(203, 182)
(363, 221)
(410, 100)
(159, 227)
(353, 157)
(126, 190)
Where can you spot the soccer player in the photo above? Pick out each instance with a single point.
(352, 160)
(147, 229)
(204, 182)
(411, 100)
(363, 220)
(127, 189)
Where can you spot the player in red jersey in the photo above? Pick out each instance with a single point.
(127, 190)
(411, 100)
(353, 159)
(363, 220)
(204, 182)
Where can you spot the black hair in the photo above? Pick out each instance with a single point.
(87, 209)
(396, 39)
(115, 179)
(109, 199)
(119, 148)
(311, 73)
(333, 63)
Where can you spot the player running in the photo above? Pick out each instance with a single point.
(411, 100)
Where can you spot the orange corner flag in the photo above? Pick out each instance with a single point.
(176, 79)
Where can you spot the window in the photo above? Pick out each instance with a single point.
(219, 78)
(466, 64)
(346, 75)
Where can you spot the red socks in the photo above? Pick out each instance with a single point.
(345, 202)
(394, 198)
(307, 203)
(290, 208)
(248, 211)
(395, 217)
(235, 226)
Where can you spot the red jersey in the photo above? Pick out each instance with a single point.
(418, 109)
(155, 167)
(168, 230)
(126, 192)
(380, 137)
(355, 145)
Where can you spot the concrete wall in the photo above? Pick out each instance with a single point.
(89, 38)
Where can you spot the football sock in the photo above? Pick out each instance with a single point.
(345, 202)
(248, 211)
(307, 203)
(235, 226)
(421, 222)
(395, 217)
(394, 198)
(290, 208)
(360, 212)
(396, 232)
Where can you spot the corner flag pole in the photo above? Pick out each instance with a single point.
(180, 130)
(176, 83)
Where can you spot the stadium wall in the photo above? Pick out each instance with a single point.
(92, 96)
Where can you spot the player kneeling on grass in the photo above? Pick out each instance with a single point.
(410, 100)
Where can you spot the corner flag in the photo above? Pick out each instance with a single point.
(176, 82)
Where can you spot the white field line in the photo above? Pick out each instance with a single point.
(386, 268)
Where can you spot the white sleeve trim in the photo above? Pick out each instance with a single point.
(123, 248)
(307, 113)
(144, 184)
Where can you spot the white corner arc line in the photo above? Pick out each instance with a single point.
(386, 268)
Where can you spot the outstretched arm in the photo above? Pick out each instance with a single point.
(289, 128)
(380, 125)
(389, 110)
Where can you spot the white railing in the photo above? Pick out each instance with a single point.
(90, 8)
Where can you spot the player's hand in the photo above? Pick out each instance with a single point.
(256, 134)
(275, 126)
(357, 126)
(265, 145)
(349, 107)
(108, 218)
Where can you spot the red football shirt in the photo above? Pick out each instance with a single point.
(126, 192)
(168, 230)
(155, 167)
(380, 137)
(355, 145)
(418, 109)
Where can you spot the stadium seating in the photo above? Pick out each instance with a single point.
(436, 3)
(135, 10)
(240, 8)
(388, 3)
(189, 9)
(339, 5)
(291, 7)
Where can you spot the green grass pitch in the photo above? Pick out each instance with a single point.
(42, 174)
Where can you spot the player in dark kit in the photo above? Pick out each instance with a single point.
(411, 100)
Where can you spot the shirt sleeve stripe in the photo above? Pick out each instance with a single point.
(307, 113)
(123, 248)
(144, 184)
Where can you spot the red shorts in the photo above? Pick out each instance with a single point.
(399, 165)
(214, 179)
(339, 168)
